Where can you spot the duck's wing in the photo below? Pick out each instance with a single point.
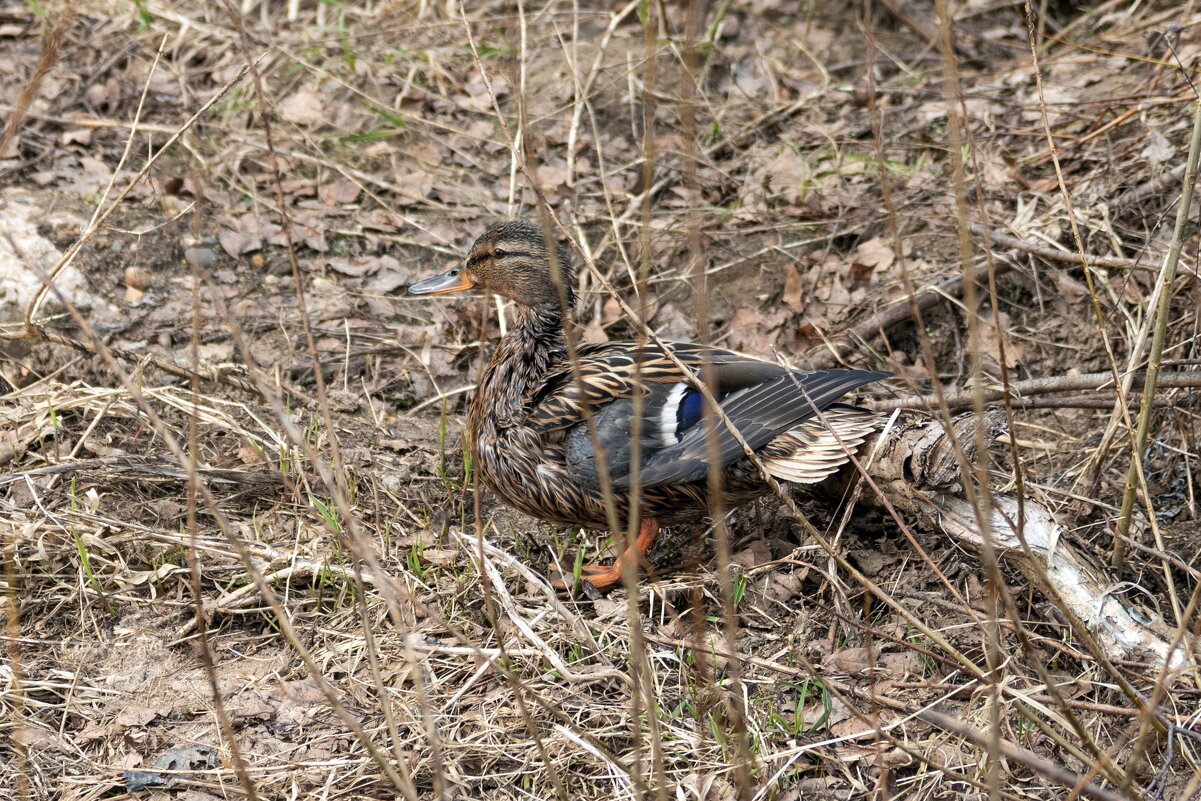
(593, 406)
(759, 412)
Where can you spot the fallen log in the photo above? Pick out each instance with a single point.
(916, 467)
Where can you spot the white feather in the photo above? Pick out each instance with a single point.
(669, 419)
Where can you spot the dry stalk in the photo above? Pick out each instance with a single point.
(1163, 290)
(51, 44)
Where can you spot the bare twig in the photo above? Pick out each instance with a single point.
(1038, 386)
(1055, 254)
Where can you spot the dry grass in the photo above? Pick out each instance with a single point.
(236, 510)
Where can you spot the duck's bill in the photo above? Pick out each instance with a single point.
(453, 280)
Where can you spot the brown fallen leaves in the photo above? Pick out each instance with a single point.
(814, 300)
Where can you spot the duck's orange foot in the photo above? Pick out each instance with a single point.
(605, 577)
(602, 577)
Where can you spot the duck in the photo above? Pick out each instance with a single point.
(614, 436)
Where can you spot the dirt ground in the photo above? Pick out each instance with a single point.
(328, 606)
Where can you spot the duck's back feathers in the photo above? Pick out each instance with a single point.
(612, 371)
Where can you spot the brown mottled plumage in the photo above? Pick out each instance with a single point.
(532, 444)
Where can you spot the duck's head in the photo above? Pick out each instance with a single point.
(510, 259)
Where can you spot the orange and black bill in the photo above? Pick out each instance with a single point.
(455, 279)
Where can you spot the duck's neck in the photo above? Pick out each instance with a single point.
(522, 357)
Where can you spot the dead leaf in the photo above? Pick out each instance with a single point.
(252, 706)
(1158, 149)
(339, 192)
(1060, 102)
(478, 96)
(414, 185)
(753, 331)
(1043, 185)
(80, 136)
(932, 111)
(593, 334)
(787, 176)
(235, 243)
(836, 297)
(899, 665)
(1069, 289)
(357, 267)
(94, 732)
(303, 107)
(440, 557)
(99, 93)
(672, 323)
(817, 713)
(870, 561)
(250, 456)
(793, 287)
(136, 715)
(844, 724)
(852, 661)
(550, 178)
(608, 609)
(427, 154)
(756, 553)
(871, 256)
(784, 587)
(95, 167)
(611, 310)
(301, 691)
(991, 340)
(37, 737)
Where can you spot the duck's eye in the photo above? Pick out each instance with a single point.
(500, 254)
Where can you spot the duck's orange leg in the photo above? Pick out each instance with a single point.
(604, 577)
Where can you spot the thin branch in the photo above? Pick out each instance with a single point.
(1190, 379)
(1055, 254)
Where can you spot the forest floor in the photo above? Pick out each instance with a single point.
(328, 606)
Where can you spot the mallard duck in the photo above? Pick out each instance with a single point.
(529, 420)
